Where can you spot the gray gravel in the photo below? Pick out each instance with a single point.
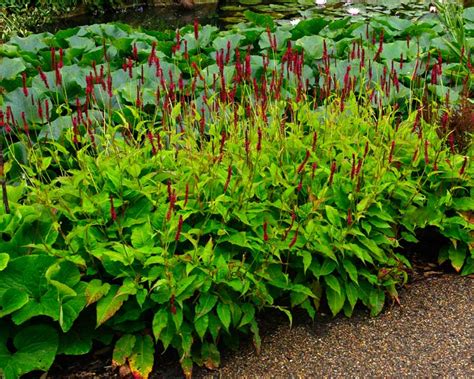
(430, 334)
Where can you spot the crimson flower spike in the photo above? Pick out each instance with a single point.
(300, 185)
(265, 232)
(25, 88)
(180, 226)
(301, 166)
(196, 28)
(427, 159)
(259, 141)
(293, 241)
(186, 195)
(333, 170)
(315, 140)
(463, 167)
(152, 56)
(314, 166)
(229, 175)
(113, 213)
(392, 148)
(349, 217)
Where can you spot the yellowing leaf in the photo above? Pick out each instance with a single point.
(142, 358)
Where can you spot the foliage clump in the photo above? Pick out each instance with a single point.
(163, 188)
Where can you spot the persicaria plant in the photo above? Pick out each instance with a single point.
(161, 189)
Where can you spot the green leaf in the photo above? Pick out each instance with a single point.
(210, 355)
(376, 301)
(206, 302)
(4, 258)
(307, 259)
(214, 326)
(201, 325)
(351, 293)
(123, 349)
(10, 68)
(160, 321)
(359, 252)
(335, 299)
(259, 19)
(186, 288)
(287, 313)
(95, 290)
(310, 27)
(468, 267)
(333, 216)
(248, 311)
(36, 348)
(142, 358)
(351, 269)
(457, 257)
(109, 305)
(326, 268)
(77, 341)
(312, 45)
(12, 300)
(223, 311)
(333, 283)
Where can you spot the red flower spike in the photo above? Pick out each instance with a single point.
(315, 140)
(349, 217)
(180, 226)
(301, 166)
(451, 142)
(314, 166)
(300, 186)
(229, 175)
(61, 56)
(293, 241)
(186, 195)
(25, 88)
(333, 170)
(196, 28)
(463, 167)
(135, 52)
(259, 141)
(265, 233)
(427, 159)
(25, 124)
(113, 213)
(392, 148)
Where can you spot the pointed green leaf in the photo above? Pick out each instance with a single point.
(109, 305)
(123, 349)
(457, 257)
(335, 300)
(160, 321)
(142, 358)
(351, 269)
(333, 283)
(96, 290)
(376, 301)
(223, 311)
(201, 325)
(205, 304)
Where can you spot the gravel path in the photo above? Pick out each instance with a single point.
(430, 334)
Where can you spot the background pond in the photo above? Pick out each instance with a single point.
(230, 12)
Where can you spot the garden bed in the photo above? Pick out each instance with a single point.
(160, 189)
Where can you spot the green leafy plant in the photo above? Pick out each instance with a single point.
(163, 188)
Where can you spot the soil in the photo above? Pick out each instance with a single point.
(430, 334)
